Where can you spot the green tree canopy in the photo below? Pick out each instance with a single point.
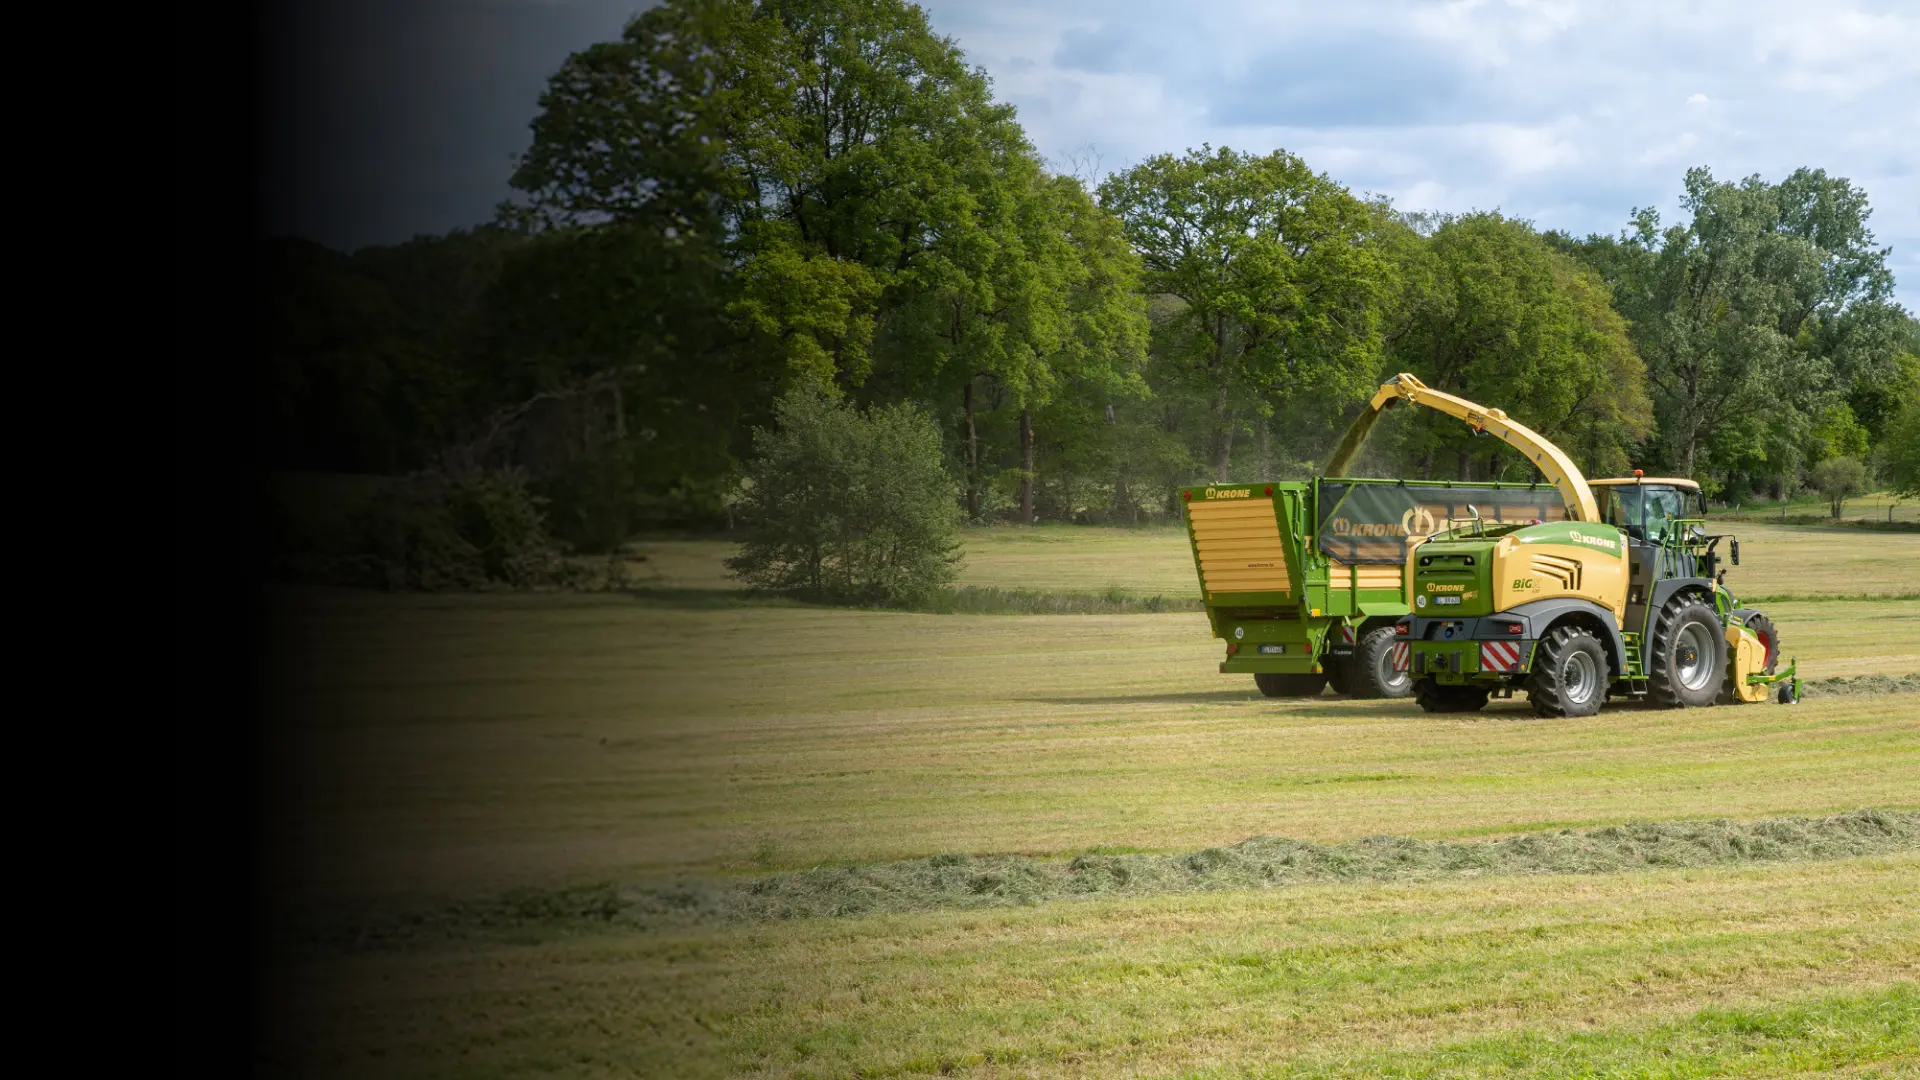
(1499, 317)
(1279, 291)
(1767, 306)
(844, 156)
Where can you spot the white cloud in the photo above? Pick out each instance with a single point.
(1568, 113)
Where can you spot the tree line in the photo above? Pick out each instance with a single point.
(740, 199)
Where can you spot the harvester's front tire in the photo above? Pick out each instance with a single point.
(1687, 666)
(1372, 671)
(1569, 674)
(1436, 698)
(1276, 684)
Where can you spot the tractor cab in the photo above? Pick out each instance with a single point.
(1646, 509)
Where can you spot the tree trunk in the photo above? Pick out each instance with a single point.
(1222, 435)
(1426, 464)
(1465, 463)
(973, 457)
(1026, 466)
(1266, 449)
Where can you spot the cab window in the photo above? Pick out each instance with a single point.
(1620, 507)
(1661, 505)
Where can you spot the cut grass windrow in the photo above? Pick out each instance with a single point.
(1863, 684)
(956, 882)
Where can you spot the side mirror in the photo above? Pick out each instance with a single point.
(1733, 549)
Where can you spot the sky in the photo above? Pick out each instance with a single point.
(390, 120)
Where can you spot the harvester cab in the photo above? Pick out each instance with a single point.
(1625, 597)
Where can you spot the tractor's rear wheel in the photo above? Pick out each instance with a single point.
(1277, 684)
(1372, 672)
(1569, 674)
(1436, 698)
(1340, 674)
(1687, 666)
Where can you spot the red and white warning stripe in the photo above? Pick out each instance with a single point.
(1346, 633)
(1499, 655)
(1401, 655)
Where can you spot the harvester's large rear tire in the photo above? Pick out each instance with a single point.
(1687, 666)
(1276, 684)
(1436, 698)
(1372, 671)
(1570, 676)
(1763, 629)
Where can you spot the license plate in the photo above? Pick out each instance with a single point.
(1446, 599)
(1273, 649)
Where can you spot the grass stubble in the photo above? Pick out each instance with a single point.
(602, 836)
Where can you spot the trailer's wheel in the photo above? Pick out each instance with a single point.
(1688, 662)
(1372, 663)
(1276, 684)
(1340, 675)
(1569, 674)
(1763, 629)
(1436, 698)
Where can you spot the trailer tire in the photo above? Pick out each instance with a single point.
(1371, 667)
(1687, 665)
(1279, 684)
(1570, 677)
(1340, 675)
(1436, 698)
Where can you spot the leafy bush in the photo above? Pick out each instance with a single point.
(434, 531)
(846, 505)
(590, 504)
(1837, 478)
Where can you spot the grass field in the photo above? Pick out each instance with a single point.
(446, 749)
(1873, 506)
(1774, 561)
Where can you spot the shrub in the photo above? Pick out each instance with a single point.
(846, 505)
(1837, 478)
(433, 531)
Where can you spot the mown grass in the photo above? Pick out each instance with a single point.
(1874, 506)
(442, 744)
(1801, 964)
(461, 748)
(956, 882)
(1058, 569)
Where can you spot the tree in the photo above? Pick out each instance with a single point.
(1765, 308)
(1900, 452)
(1502, 318)
(848, 505)
(1837, 478)
(843, 155)
(1279, 293)
(365, 352)
(1102, 347)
